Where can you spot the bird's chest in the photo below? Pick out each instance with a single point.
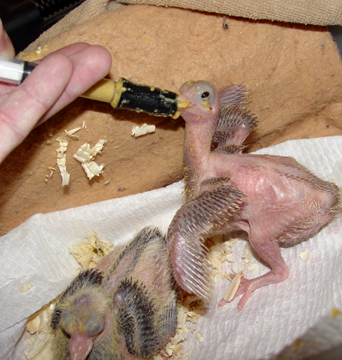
(270, 194)
(263, 186)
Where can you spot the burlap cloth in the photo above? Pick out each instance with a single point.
(294, 74)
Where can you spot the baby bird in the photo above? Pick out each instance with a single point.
(274, 199)
(125, 308)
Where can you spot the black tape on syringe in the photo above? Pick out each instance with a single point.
(147, 99)
(27, 69)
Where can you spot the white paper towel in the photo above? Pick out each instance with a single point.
(36, 252)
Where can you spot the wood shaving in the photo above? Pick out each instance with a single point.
(232, 288)
(221, 255)
(71, 133)
(199, 337)
(61, 160)
(48, 177)
(25, 287)
(247, 256)
(92, 169)
(52, 170)
(88, 254)
(38, 347)
(305, 255)
(220, 252)
(86, 155)
(142, 130)
(33, 325)
(245, 267)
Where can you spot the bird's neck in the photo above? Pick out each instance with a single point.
(197, 146)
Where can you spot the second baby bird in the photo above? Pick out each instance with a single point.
(124, 308)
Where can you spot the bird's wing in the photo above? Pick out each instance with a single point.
(145, 327)
(200, 217)
(144, 299)
(233, 127)
(124, 263)
(233, 95)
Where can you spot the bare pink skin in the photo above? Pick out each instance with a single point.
(58, 80)
(80, 346)
(274, 199)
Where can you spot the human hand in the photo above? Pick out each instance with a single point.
(58, 80)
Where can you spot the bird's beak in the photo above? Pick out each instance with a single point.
(80, 346)
(182, 103)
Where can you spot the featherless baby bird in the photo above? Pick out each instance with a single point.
(274, 199)
(124, 308)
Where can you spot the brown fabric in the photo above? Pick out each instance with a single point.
(86, 11)
(294, 74)
(315, 12)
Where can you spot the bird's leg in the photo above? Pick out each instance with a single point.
(269, 251)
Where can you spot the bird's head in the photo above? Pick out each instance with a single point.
(203, 100)
(85, 320)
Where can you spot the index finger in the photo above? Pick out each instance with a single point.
(90, 65)
(23, 106)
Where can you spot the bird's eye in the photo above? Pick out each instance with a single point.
(94, 324)
(203, 93)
